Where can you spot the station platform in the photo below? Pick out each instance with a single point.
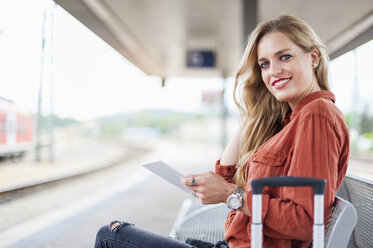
(70, 213)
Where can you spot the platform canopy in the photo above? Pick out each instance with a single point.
(206, 37)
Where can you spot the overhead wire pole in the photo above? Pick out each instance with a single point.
(356, 116)
(51, 113)
(46, 70)
(356, 83)
(40, 94)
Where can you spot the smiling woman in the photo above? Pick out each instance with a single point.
(291, 127)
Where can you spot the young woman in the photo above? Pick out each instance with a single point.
(290, 127)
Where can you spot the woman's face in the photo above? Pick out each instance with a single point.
(287, 70)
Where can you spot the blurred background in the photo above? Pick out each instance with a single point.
(91, 89)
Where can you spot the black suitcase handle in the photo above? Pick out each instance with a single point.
(318, 185)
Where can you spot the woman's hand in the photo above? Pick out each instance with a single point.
(209, 187)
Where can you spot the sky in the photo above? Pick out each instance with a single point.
(90, 79)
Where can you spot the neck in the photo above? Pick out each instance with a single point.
(314, 88)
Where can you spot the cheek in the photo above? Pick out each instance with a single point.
(267, 80)
(305, 76)
(305, 71)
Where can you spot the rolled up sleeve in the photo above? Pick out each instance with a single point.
(226, 171)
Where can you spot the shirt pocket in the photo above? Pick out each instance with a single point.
(267, 163)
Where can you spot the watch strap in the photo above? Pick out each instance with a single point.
(239, 191)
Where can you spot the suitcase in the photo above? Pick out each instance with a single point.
(318, 186)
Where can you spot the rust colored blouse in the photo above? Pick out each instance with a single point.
(314, 142)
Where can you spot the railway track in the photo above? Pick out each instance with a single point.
(18, 191)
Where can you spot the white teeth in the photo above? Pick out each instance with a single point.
(281, 82)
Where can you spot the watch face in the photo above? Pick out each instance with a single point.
(234, 202)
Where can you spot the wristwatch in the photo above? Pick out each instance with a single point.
(234, 201)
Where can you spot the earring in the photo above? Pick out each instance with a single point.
(315, 65)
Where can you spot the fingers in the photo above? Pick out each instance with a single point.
(190, 180)
(193, 181)
(206, 187)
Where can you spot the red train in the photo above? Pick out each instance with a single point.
(16, 129)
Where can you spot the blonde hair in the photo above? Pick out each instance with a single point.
(261, 112)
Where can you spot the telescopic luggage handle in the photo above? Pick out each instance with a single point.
(318, 186)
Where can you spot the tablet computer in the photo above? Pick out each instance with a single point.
(168, 173)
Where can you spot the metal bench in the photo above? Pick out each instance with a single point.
(359, 192)
(341, 224)
(206, 223)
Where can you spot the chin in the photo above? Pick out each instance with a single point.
(285, 95)
(281, 97)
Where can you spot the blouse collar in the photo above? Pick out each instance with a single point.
(326, 94)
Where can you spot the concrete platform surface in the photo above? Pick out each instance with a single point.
(70, 213)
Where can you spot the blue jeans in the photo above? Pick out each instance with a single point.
(127, 235)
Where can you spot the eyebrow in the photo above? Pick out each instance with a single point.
(276, 53)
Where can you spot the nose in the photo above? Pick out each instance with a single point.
(275, 69)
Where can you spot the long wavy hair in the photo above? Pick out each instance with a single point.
(262, 114)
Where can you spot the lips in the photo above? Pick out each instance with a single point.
(280, 83)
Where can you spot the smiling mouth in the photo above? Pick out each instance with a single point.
(281, 82)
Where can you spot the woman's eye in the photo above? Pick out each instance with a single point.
(264, 65)
(285, 57)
